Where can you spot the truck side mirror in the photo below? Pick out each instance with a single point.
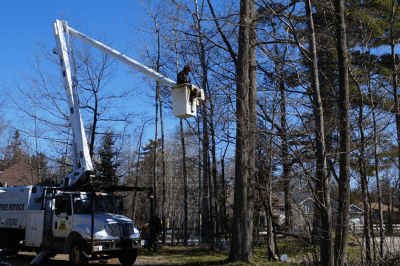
(69, 207)
(57, 206)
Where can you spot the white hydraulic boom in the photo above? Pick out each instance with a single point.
(185, 97)
(81, 174)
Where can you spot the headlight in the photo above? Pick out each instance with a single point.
(136, 233)
(101, 235)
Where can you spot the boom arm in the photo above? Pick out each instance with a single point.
(81, 174)
(185, 97)
(123, 58)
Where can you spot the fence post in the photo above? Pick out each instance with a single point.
(173, 233)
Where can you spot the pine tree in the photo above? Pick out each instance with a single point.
(14, 153)
(106, 173)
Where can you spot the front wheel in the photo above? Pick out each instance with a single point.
(127, 257)
(4, 243)
(78, 254)
(8, 246)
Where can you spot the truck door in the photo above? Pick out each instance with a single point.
(62, 222)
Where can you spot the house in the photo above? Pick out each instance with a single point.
(389, 213)
(303, 210)
(20, 174)
(356, 214)
(278, 211)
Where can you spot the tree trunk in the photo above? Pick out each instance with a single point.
(342, 228)
(323, 180)
(137, 171)
(200, 191)
(185, 188)
(205, 218)
(286, 159)
(215, 178)
(155, 170)
(364, 179)
(211, 227)
(243, 209)
(394, 81)
(287, 182)
(163, 170)
(205, 208)
(268, 205)
(378, 180)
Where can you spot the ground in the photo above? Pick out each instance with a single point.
(164, 256)
(297, 252)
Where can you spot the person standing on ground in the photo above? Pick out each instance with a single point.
(155, 230)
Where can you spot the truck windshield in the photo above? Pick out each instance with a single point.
(103, 204)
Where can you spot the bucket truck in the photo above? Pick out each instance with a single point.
(77, 218)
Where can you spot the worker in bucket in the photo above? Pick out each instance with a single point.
(183, 75)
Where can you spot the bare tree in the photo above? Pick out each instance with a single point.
(342, 227)
(246, 94)
(322, 178)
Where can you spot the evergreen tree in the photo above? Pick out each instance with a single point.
(108, 165)
(39, 164)
(14, 153)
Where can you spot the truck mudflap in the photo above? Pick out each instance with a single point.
(102, 246)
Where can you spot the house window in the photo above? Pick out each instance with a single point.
(282, 209)
(307, 208)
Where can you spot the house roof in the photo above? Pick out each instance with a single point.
(278, 200)
(375, 207)
(354, 209)
(20, 174)
(301, 198)
(385, 208)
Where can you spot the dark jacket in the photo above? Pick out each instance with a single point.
(183, 77)
(155, 225)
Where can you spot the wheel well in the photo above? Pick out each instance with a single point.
(71, 238)
(17, 234)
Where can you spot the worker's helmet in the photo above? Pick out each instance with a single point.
(187, 67)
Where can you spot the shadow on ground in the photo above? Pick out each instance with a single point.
(163, 257)
(24, 260)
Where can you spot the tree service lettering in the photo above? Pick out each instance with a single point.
(12, 207)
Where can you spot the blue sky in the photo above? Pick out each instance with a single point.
(25, 22)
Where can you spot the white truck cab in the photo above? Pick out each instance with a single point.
(61, 221)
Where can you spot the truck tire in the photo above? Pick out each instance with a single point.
(14, 248)
(8, 246)
(127, 257)
(4, 240)
(78, 253)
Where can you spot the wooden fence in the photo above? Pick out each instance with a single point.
(358, 228)
(175, 236)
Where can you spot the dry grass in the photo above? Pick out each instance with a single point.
(164, 256)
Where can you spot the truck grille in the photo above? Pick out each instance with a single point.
(120, 229)
(127, 229)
